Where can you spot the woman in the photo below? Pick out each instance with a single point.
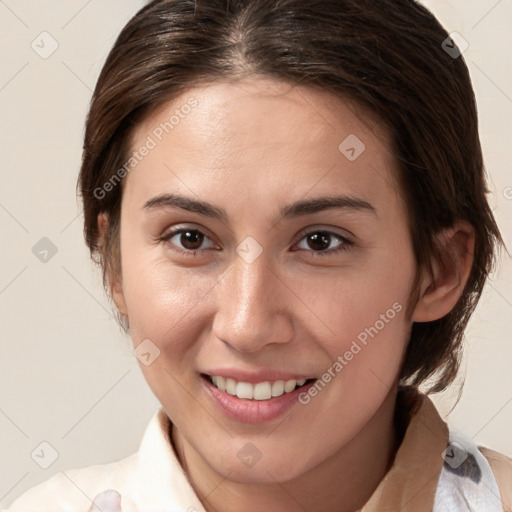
(287, 201)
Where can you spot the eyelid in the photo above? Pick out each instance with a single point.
(345, 235)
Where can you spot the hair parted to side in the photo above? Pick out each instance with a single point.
(384, 54)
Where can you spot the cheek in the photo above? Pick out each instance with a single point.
(365, 313)
(168, 306)
(367, 339)
(162, 300)
(156, 292)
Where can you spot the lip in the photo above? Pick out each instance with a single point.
(255, 377)
(252, 411)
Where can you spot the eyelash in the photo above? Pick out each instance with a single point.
(345, 245)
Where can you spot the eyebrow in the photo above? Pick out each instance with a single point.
(302, 207)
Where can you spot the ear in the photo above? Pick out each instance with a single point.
(113, 281)
(438, 296)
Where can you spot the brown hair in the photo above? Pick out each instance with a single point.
(385, 54)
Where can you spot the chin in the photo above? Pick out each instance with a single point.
(266, 470)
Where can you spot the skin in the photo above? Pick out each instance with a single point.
(250, 148)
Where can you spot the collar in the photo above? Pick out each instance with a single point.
(409, 486)
(159, 480)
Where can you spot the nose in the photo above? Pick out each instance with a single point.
(253, 307)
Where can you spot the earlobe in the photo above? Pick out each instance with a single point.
(118, 297)
(112, 280)
(102, 226)
(116, 291)
(440, 295)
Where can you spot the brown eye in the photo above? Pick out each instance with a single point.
(189, 241)
(318, 242)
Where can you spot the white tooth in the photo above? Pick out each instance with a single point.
(230, 387)
(221, 383)
(289, 385)
(262, 391)
(244, 390)
(278, 388)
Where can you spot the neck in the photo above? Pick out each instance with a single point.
(342, 483)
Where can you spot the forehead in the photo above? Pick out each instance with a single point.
(267, 134)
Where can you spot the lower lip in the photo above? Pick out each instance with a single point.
(253, 411)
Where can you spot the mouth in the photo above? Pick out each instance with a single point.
(259, 391)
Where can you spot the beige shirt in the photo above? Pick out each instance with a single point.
(152, 480)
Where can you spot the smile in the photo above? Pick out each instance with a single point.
(259, 391)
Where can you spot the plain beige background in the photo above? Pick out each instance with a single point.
(68, 374)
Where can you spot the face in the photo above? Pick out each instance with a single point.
(265, 250)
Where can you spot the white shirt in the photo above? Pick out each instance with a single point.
(153, 477)
(420, 480)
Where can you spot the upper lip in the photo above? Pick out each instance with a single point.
(255, 376)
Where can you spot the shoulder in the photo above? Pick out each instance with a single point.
(501, 466)
(74, 490)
